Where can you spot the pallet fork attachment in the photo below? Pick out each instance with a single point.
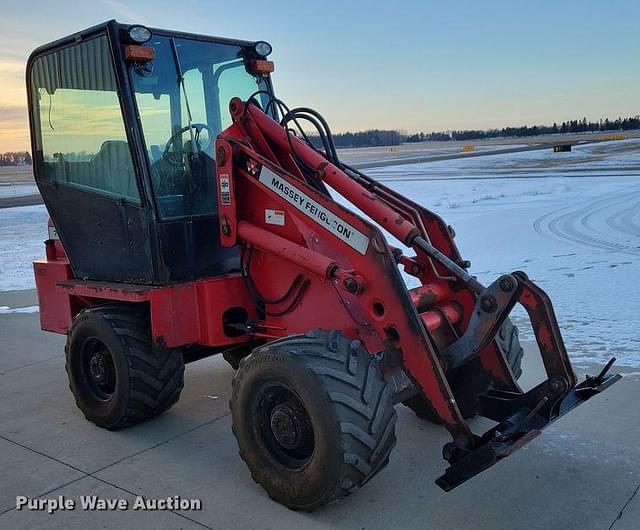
(521, 420)
(521, 416)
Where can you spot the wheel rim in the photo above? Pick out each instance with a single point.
(98, 369)
(284, 426)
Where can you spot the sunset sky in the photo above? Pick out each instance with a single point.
(412, 65)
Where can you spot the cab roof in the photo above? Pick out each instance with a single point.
(115, 26)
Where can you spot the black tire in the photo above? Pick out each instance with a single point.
(510, 344)
(465, 384)
(116, 377)
(339, 440)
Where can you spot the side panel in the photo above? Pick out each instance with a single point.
(105, 239)
(56, 313)
(188, 313)
(193, 313)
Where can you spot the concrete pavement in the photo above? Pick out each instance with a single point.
(583, 472)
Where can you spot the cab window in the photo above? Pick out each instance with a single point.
(182, 116)
(79, 127)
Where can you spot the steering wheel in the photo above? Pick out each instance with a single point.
(198, 128)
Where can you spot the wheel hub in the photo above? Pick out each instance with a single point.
(98, 368)
(286, 426)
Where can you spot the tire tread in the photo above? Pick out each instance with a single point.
(362, 400)
(156, 376)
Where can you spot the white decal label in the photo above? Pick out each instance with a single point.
(315, 211)
(274, 217)
(225, 189)
(53, 233)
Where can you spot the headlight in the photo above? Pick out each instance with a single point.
(139, 34)
(262, 48)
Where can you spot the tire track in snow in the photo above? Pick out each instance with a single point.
(627, 221)
(590, 221)
(610, 223)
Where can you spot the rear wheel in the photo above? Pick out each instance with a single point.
(115, 375)
(465, 386)
(313, 417)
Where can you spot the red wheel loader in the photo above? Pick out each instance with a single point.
(192, 215)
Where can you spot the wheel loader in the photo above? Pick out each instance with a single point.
(192, 214)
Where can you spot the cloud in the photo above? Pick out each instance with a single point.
(126, 12)
(14, 129)
(11, 66)
(12, 113)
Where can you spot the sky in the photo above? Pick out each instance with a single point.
(406, 65)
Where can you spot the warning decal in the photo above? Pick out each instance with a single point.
(334, 224)
(225, 189)
(274, 217)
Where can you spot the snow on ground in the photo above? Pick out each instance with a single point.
(577, 236)
(17, 190)
(22, 234)
(411, 151)
(604, 158)
(570, 220)
(6, 310)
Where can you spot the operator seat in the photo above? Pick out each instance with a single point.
(112, 169)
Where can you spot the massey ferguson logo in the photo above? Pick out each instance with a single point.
(315, 211)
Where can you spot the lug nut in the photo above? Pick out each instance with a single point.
(488, 303)
(351, 285)
(220, 155)
(557, 386)
(506, 284)
(226, 227)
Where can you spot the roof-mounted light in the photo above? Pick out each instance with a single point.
(262, 48)
(139, 34)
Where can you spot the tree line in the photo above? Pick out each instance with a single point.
(370, 138)
(15, 158)
(378, 137)
(572, 126)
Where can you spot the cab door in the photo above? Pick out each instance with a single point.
(83, 165)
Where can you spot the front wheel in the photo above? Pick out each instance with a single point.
(313, 418)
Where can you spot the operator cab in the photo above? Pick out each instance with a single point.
(123, 127)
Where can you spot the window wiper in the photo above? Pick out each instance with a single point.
(194, 149)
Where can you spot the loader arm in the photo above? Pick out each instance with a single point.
(274, 203)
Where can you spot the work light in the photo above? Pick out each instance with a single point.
(262, 48)
(139, 34)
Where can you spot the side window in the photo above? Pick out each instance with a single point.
(182, 161)
(233, 81)
(155, 111)
(80, 133)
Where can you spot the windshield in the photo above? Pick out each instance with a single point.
(181, 119)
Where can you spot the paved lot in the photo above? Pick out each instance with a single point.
(582, 473)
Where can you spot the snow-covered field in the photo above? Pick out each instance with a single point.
(570, 220)
(22, 233)
(17, 190)
(577, 235)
